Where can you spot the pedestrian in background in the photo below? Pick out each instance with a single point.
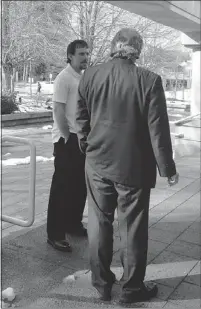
(68, 189)
(123, 128)
(38, 92)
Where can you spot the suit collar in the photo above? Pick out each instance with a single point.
(122, 60)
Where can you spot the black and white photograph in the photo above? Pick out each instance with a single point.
(100, 154)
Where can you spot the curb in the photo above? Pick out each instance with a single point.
(25, 118)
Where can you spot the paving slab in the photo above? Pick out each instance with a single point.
(194, 276)
(169, 273)
(81, 288)
(185, 248)
(184, 170)
(14, 231)
(186, 294)
(159, 195)
(29, 274)
(183, 182)
(163, 236)
(171, 257)
(156, 247)
(168, 226)
(13, 199)
(34, 243)
(37, 270)
(191, 236)
(196, 226)
(175, 201)
(61, 301)
(182, 304)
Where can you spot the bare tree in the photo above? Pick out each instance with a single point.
(33, 31)
(94, 21)
(6, 61)
(37, 32)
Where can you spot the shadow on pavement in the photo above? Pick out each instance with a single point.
(33, 268)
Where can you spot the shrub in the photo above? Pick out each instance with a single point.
(8, 104)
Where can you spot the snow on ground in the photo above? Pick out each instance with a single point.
(46, 88)
(30, 103)
(33, 102)
(48, 127)
(26, 160)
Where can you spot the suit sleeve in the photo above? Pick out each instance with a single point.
(82, 117)
(159, 130)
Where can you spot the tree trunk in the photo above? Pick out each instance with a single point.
(26, 73)
(82, 34)
(13, 80)
(93, 26)
(30, 77)
(7, 76)
(7, 66)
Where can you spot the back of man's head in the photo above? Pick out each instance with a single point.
(127, 43)
(73, 46)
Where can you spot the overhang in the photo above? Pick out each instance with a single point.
(181, 15)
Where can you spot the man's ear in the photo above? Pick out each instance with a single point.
(70, 56)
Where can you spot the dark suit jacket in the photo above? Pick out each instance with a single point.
(122, 123)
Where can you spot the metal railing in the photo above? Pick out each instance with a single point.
(32, 181)
(180, 135)
(184, 120)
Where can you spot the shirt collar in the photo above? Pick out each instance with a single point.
(70, 68)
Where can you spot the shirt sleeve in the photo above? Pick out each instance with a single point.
(159, 130)
(60, 90)
(82, 117)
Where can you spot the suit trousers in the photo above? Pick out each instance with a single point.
(132, 204)
(68, 189)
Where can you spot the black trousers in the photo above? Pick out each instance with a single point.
(68, 189)
(132, 204)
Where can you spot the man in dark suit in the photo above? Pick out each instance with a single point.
(122, 126)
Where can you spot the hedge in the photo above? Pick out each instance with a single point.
(8, 103)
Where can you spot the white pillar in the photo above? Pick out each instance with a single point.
(195, 87)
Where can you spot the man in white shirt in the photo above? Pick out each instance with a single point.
(68, 189)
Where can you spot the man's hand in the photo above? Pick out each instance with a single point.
(173, 180)
(59, 114)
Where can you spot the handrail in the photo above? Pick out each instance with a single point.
(184, 120)
(177, 135)
(31, 205)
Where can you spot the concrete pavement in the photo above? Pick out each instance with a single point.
(39, 274)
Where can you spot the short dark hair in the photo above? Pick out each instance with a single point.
(73, 46)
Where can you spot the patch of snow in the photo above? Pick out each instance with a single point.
(69, 278)
(7, 154)
(47, 127)
(8, 294)
(19, 161)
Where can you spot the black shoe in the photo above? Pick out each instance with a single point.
(143, 294)
(61, 245)
(105, 295)
(78, 231)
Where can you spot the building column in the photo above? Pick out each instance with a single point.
(195, 85)
(195, 88)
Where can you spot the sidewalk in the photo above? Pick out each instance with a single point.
(38, 273)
